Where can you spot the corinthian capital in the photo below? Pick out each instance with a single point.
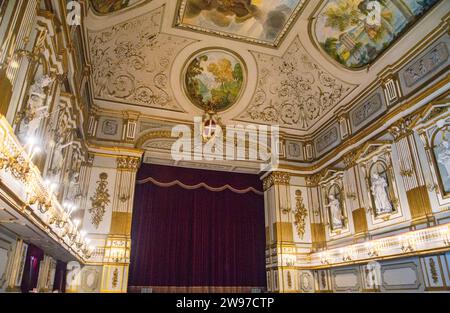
(276, 178)
(128, 163)
(401, 128)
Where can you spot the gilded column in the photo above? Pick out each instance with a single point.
(118, 244)
(279, 230)
(411, 171)
(353, 193)
(318, 236)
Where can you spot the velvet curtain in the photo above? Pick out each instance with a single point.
(60, 277)
(31, 268)
(186, 238)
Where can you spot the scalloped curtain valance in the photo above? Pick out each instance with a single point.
(192, 179)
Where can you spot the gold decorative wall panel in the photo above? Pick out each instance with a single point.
(359, 220)
(283, 231)
(6, 92)
(419, 203)
(318, 234)
(120, 223)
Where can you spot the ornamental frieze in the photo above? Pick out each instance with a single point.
(368, 110)
(425, 65)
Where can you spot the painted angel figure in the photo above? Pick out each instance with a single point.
(380, 195)
(336, 213)
(443, 157)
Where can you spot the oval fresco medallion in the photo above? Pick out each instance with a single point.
(214, 79)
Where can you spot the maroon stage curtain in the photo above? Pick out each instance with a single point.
(31, 268)
(60, 277)
(187, 238)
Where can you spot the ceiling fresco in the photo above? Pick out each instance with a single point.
(350, 32)
(258, 21)
(109, 6)
(214, 80)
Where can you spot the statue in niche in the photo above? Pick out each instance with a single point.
(61, 142)
(335, 212)
(35, 109)
(380, 194)
(74, 193)
(443, 155)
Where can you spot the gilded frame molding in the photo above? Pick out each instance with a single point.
(201, 51)
(312, 36)
(178, 23)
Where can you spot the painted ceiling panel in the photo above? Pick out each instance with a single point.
(356, 32)
(258, 21)
(109, 6)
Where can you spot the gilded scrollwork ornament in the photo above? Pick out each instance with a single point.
(300, 214)
(276, 178)
(302, 93)
(350, 159)
(99, 200)
(128, 163)
(401, 128)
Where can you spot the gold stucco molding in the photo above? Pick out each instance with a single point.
(128, 163)
(276, 178)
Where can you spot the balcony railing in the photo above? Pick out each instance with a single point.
(40, 205)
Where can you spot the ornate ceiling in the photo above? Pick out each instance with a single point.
(257, 21)
(354, 37)
(290, 63)
(110, 6)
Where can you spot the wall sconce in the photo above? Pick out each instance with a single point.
(289, 260)
(57, 221)
(324, 259)
(124, 198)
(446, 235)
(406, 244)
(347, 255)
(372, 250)
(432, 187)
(406, 173)
(43, 205)
(87, 251)
(351, 195)
(74, 232)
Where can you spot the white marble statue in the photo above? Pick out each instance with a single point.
(336, 213)
(38, 87)
(379, 192)
(35, 111)
(73, 194)
(58, 155)
(443, 156)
